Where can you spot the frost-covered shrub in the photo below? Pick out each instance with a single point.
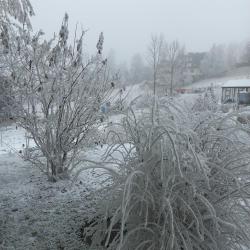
(16, 10)
(6, 99)
(174, 185)
(59, 93)
(206, 101)
(225, 108)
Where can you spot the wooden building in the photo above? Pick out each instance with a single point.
(232, 90)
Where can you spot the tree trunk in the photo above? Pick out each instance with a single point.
(171, 82)
(53, 172)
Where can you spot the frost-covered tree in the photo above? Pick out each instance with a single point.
(14, 14)
(11, 10)
(172, 64)
(59, 96)
(214, 62)
(246, 53)
(232, 56)
(154, 57)
(6, 98)
(112, 63)
(123, 72)
(137, 69)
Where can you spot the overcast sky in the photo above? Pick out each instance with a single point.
(128, 24)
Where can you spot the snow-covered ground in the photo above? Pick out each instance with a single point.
(134, 91)
(34, 213)
(12, 139)
(37, 214)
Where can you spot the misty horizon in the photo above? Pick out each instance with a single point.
(128, 25)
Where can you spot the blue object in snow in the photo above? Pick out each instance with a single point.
(105, 108)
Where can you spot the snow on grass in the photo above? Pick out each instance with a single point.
(35, 213)
(13, 139)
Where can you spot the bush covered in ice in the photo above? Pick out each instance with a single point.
(175, 184)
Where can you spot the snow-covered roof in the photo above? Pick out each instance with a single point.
(237, 83)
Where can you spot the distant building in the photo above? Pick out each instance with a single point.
(236, 91)
(193, 66)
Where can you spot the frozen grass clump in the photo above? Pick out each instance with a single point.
(176, 186)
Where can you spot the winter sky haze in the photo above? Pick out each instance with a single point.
(128, 24)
